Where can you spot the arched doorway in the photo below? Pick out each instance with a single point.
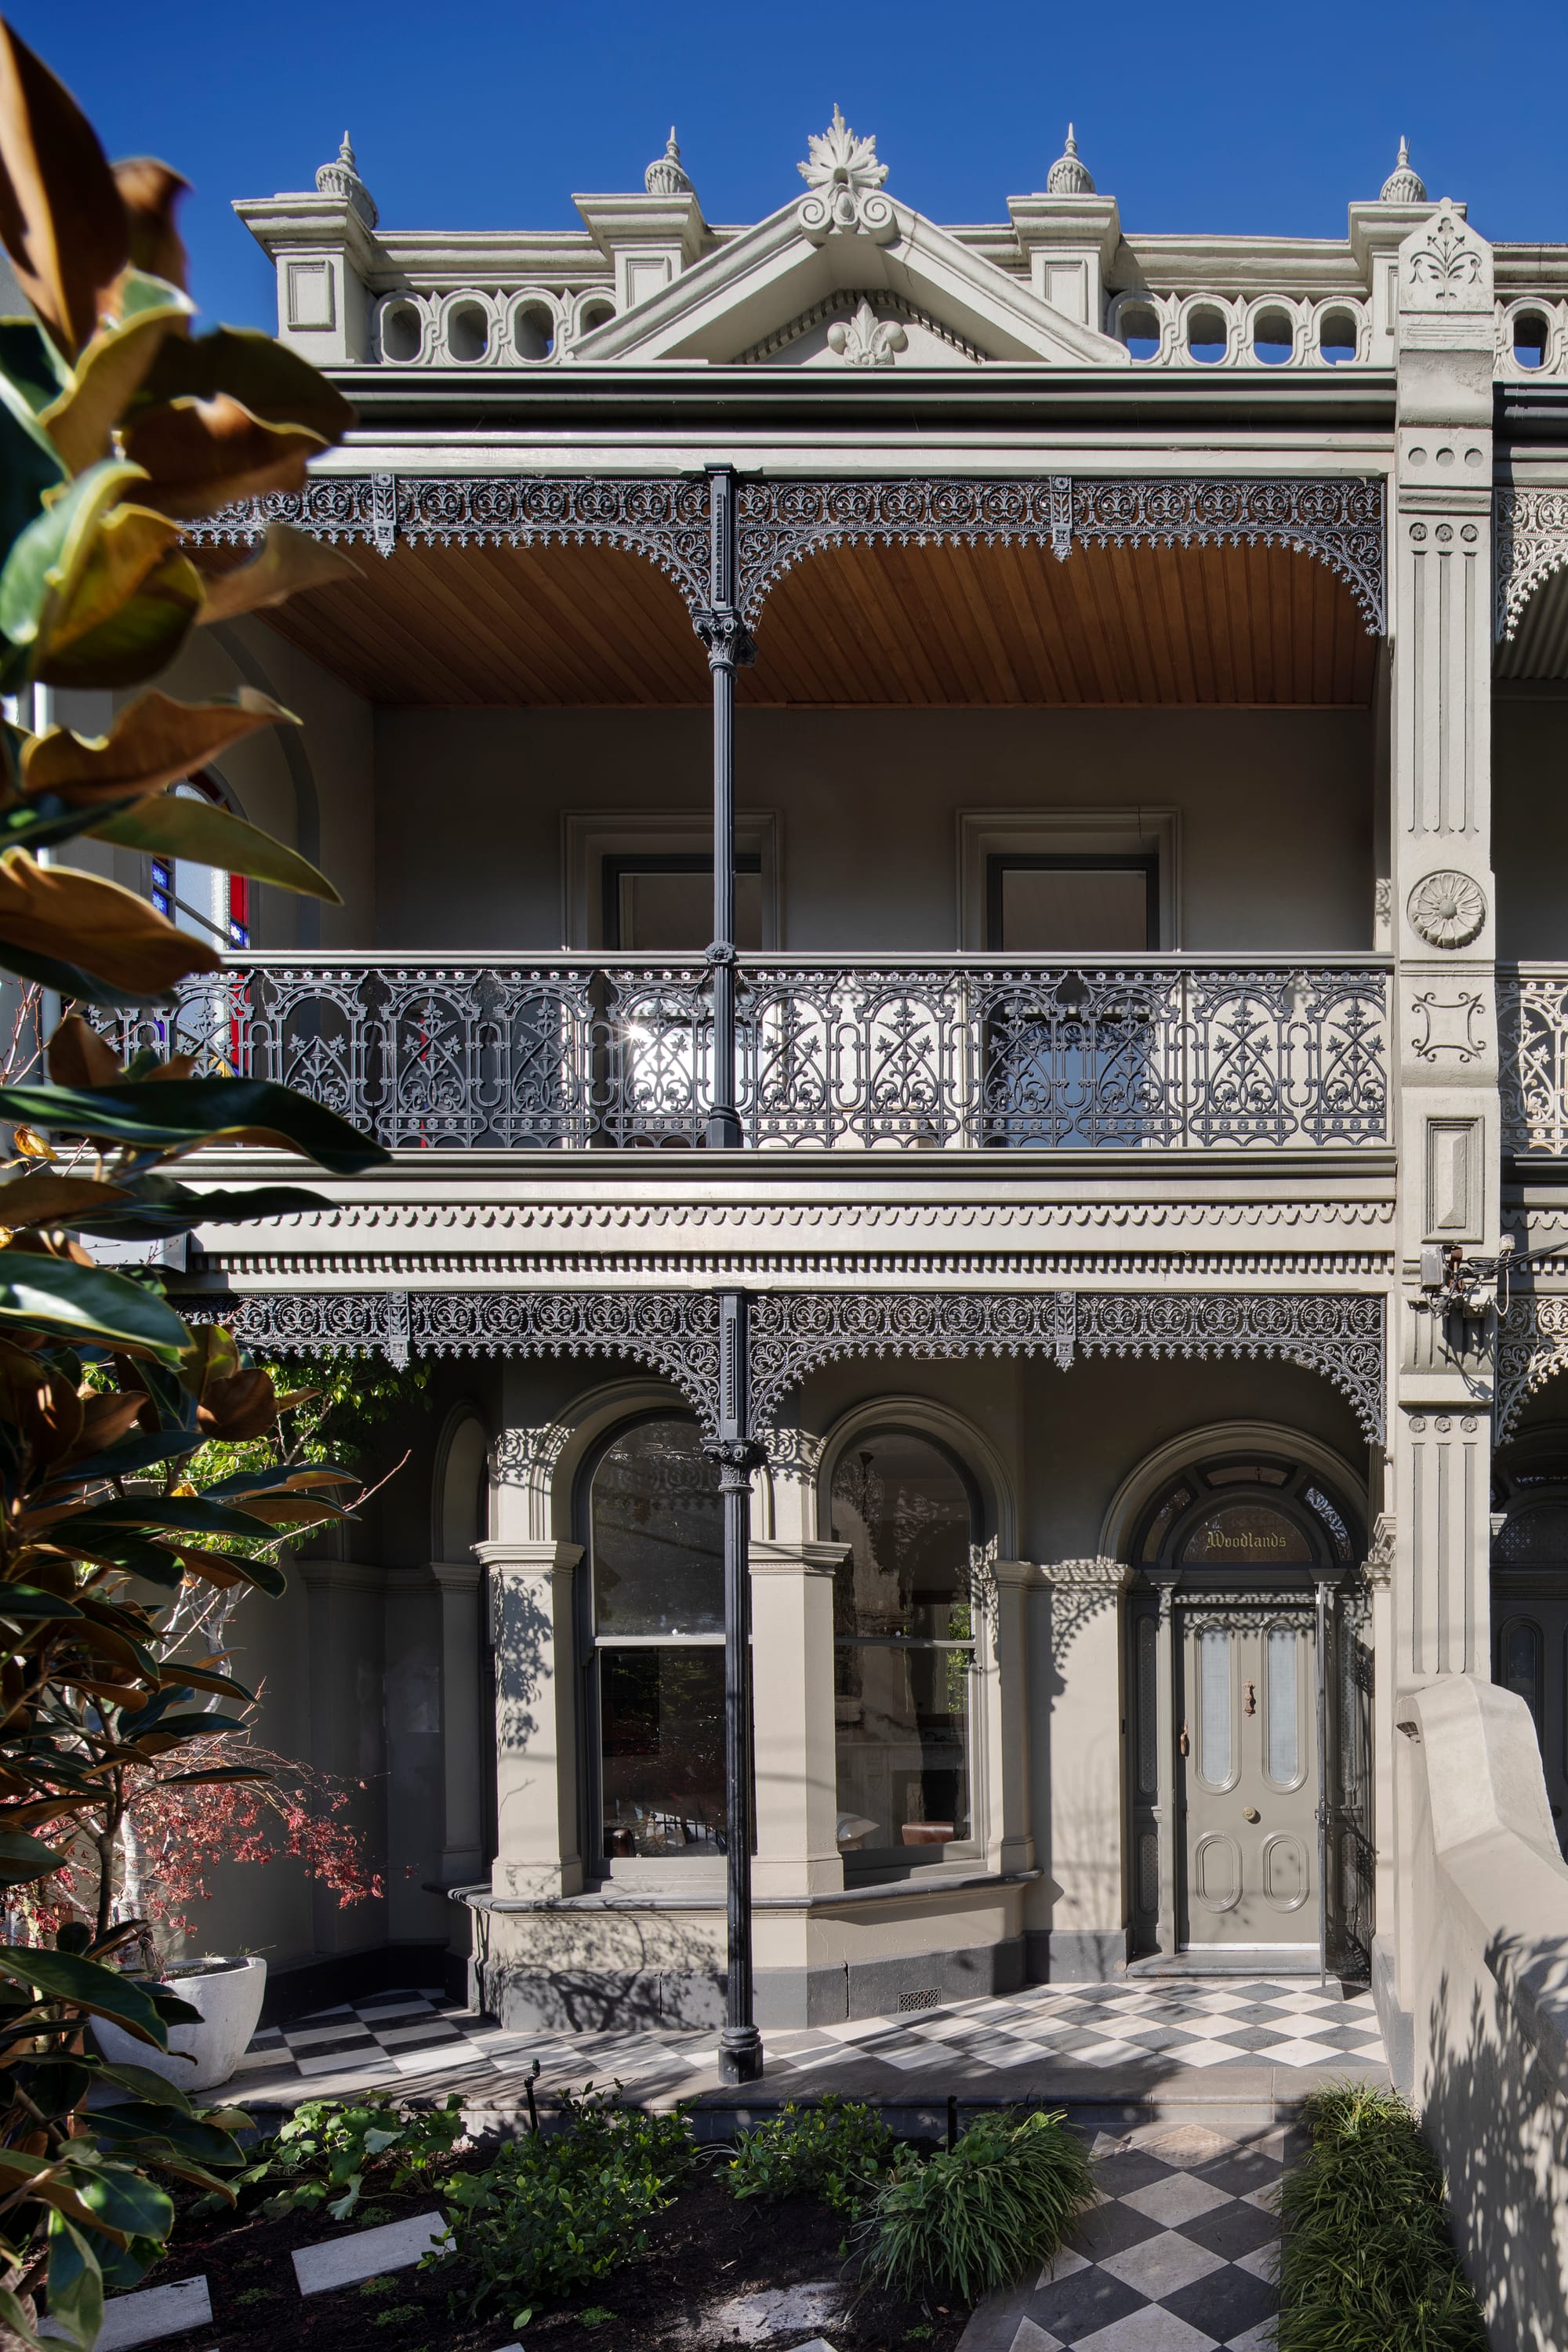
(1530, 1598)
(1246, 1681)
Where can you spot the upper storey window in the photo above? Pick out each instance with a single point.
(1052, 904)
(664, 905)
(202, 899)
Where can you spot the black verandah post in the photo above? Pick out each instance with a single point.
(724, 632)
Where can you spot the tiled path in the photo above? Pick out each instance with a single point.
(1178, 2258)
(1227, 2041)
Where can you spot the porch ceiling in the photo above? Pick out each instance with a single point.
(922, 626)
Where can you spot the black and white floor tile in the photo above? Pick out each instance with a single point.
(1179, 2256)
(1114, 2030)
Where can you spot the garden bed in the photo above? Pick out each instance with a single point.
(704, 2250)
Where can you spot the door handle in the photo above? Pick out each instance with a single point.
(1250, 1704)
(1183, 1745)
(1250, 1814)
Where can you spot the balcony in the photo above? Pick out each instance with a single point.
(943, 1052)
(1533, 1026)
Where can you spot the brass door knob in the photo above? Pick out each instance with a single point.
(1250, 1814)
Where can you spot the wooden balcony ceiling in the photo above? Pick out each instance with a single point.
(926, 626)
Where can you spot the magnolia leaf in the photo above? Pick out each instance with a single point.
(128, 545)
(163, 1206)
(289, 562)
(169, 826)
(200, 455)
(175, 1514)
(102, 1992)
(47, 558)
(226, 1569)
(154, 741)
(62, 220)
(17, 2321)
(264, 376)
(136, 635)
(43, 1197)
(84, 1304)
(219, 1773)
(108, 373)
(23, 1858)
(24, 1604)
(76, 2284)
(150, 191)
(178, 1114)
(53, 911)
(79, 1057)
(124, 2200)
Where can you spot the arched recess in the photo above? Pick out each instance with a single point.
(302, 777)
(539, 1466)
(460, 1493)
(959, 1435)
(1141, 1485)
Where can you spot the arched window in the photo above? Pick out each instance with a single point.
(904, 1647)
(1246, 1511)
(655, 1643)
(202, 898)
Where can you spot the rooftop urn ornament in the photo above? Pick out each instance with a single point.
(666, 176)
(341, 178)
(1404, 185)
(1069, 175)
(844, 179)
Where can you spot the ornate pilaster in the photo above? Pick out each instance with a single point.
(1081, 1826)
(1444, 937)
(537, 1835)
(461, 1584)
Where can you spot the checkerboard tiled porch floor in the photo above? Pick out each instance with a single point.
(1178, 2257)
(1048, 2040)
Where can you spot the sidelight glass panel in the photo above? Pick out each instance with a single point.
(1214, 1707)
(1283, 1687)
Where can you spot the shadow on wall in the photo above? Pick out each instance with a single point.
(1495, 2110)
(1485, 1978)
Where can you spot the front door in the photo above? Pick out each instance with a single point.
(1248, 1777)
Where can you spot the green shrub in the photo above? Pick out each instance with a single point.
(559, 2211)
(979, 2215)
(834, 2149)
(1366, 2263)
(326, 2149)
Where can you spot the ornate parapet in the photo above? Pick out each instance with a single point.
(793, 1332)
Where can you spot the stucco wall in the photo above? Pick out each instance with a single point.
(1276, 806)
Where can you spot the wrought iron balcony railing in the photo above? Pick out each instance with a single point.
(1533, 1046)
(937, 1053)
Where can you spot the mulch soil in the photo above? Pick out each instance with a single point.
(702, 2250)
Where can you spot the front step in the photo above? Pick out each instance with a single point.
(1283, 1963)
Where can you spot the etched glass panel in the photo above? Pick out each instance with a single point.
(1214, 1706)
(1148, 1706)
(1283, 1687)
(657, 1535)
(1246, 1534)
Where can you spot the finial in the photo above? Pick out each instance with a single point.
(665, 175)
(1404, 185)
(341, 178)
(1068, 175)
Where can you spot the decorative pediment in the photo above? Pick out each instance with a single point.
(846, 241)
(1446, 276)
(855, 329)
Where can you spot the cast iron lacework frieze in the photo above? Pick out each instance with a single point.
(676, 1333)
(1531, 539)
(1340, 523)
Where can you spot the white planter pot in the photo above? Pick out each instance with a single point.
(228, 1994)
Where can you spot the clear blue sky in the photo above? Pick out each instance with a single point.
(1220, 114)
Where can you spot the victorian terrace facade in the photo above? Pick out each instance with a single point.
(1136, 665)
